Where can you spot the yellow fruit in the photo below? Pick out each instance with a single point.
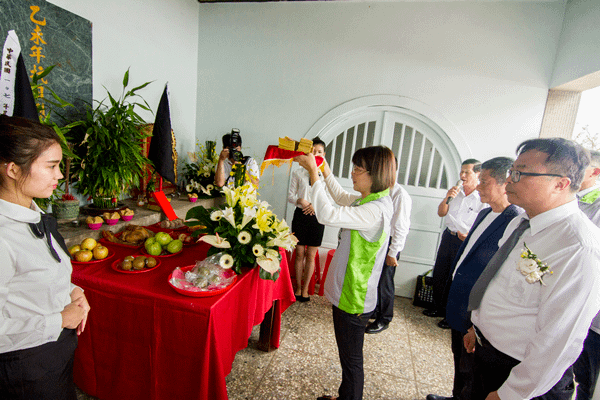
(98, 220)
(89, 220)
(74, 249)
(100, 252)
(88, 244)
(83, 255)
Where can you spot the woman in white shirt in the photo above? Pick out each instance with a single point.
(354, 272)
(305, 226)
(41, 311)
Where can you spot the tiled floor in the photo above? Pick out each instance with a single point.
(407, 361)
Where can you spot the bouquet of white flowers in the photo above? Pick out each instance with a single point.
(199, 173)
(244, 230)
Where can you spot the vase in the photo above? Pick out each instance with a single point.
(66, 209)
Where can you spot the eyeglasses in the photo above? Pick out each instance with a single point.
(358, 170)
(515, 175)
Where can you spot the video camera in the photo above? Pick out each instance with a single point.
(232, 141)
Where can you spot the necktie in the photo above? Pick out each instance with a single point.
(49, 227)
(494, 265)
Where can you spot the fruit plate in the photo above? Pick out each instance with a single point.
(157, 228)
(75, 262)
(144, 252)
(115, 266)
(202, 293)
(117, 235)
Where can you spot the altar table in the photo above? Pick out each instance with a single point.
(145, 341)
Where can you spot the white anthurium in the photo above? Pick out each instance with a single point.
(229, 215)
(249, 214)
(274, 254)
(204, 190)
(269, 264)
(216, 241)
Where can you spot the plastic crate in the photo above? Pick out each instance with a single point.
(424, 292)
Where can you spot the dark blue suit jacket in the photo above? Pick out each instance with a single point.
(468, 272)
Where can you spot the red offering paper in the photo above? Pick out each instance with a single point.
(277, 157)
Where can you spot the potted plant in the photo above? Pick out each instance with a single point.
(110, 147)
(67, 206)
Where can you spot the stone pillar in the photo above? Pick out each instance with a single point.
(560, 114)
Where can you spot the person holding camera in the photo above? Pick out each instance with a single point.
(232, 158)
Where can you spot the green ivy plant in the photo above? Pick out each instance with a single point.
(109, 143)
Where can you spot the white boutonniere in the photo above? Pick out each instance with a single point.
(532, 267)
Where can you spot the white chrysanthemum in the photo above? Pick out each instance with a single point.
(210, 186)
(258, 250)
(206, 174)
(189, 187)
(244, 237)
(216, 215)
(226, 261)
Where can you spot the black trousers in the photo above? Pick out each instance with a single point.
(384, 311)
(442, 269)
(41, 372)
(349, 336)
(464, 364)
(492, 368)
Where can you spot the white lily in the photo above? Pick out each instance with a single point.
(249, 214)
(229, 215)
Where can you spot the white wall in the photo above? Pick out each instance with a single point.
(274, 69)
(579, 42)
(158, 41)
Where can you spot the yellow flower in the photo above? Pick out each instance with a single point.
(263, 220)
(226, 261)
(231, 196)
(244, 237)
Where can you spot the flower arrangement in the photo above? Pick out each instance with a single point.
(532, 267)
(244, 230)
(199, 173)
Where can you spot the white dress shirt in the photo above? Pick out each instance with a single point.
(544, 326)
(463, 210)
(593, 213)
(299, 186)
(34, 287)
(400, 219)
(367, 219)
(483, 225)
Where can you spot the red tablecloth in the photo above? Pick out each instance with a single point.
(145, 341)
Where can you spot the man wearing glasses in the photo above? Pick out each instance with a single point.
(534, 302)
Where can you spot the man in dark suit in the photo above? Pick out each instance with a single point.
(472, 257)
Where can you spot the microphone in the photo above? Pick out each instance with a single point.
(459, 184)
